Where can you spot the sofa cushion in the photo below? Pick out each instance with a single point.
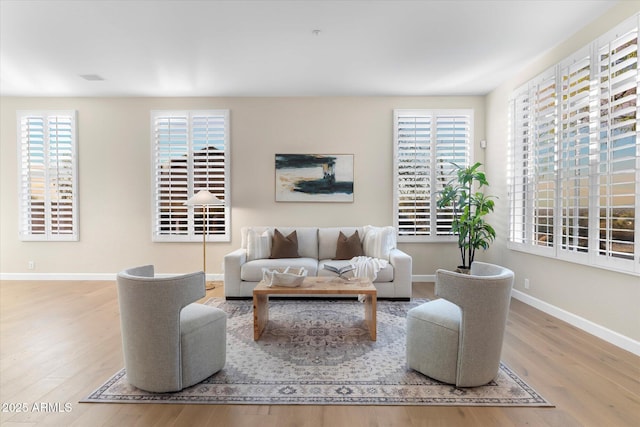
(307, 238)
(328, 239)
(378, 241)
(284, 247)
(252, 271)
(244, 234)
(335, 263)
(384, 275)
(258, 244)
(348, 247)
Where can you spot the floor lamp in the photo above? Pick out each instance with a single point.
(205, 199)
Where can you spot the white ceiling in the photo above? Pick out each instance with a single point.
(269, 48)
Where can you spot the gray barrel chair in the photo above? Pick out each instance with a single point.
(457, 339)
(169, 342)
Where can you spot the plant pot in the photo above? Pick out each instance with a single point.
(462, 269)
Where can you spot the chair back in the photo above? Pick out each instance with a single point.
(484, 297)
(150, 321)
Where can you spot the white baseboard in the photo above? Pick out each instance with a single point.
(81, 276)
(423, 278)
(112, 276)
(588, 326)
(599, 331)
(58, 276)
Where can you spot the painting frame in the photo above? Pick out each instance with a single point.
(325, 178)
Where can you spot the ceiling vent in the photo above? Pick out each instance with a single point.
(92, 77)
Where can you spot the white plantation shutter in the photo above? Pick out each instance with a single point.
(581, 138)
(519, 164)
(413, 173)
(48, 197)
(576, 136)
(541, 190)
(425, 144)
(209, 167)
(532, 163)
(171, 179)
(452, 145)
(191, 153)
(618, 150)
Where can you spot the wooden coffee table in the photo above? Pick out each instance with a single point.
(315, 286)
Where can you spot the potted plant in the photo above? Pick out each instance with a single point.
(469, 206)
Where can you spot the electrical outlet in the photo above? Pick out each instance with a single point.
(32, 265)
(526, 283)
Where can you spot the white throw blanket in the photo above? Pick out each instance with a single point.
(367, 266)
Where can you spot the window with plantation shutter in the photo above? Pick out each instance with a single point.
(576, 135)
(519, 156)
(533, 163)
(48, 196)
(541, 189)
(190, 153)
(412, 172)
(587, 148)
(618, 150)
(426, 142)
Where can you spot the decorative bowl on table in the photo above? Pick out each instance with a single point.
(288, 277)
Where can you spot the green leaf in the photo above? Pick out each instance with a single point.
(469, 207)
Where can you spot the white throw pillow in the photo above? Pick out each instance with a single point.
(379, 241)
(258, 245)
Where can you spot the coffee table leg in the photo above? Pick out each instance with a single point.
(260, 314)
(370, 314)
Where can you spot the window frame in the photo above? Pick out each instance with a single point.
(51, 176)
(192, 140)
(528, 182)
(591, 155)
(435, 217)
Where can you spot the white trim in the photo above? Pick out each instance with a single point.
(49, 168)
(423, 278)
(588, 326)
(432, 119)
(431, 278)
(57, 276)
(84, 276)
(604, 165)
(192, 183)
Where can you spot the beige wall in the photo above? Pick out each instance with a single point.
(600, 296)
(115, 201)
(115, 177)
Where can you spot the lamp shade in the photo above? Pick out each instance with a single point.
(203, 198)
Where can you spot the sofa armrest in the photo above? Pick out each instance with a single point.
(402, 270)
(232, 265)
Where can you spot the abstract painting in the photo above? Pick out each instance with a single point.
(314, 177)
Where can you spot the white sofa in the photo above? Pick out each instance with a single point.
(316, 246)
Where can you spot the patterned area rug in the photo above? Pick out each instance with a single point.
(319, 353)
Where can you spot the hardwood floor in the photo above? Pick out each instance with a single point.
(61, 340)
